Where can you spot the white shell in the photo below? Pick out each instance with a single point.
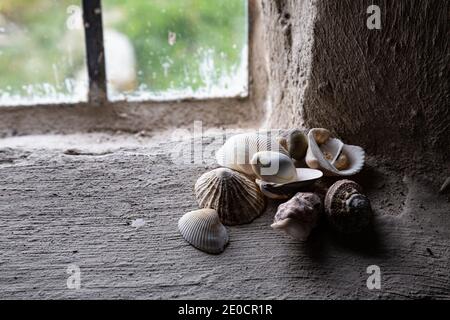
(305, 178)
(239, 149)
(275, 167)
(265, 189)
(203, 229)
(235, 196)
(316, 159)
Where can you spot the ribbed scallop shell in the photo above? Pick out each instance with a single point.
(236, 197)
(347, 210)
(239, 149)
(319, 141)
(203, 229)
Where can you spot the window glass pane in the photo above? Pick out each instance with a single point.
(42, 55)
(171, 49)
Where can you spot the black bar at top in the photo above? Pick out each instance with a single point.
(95, 52)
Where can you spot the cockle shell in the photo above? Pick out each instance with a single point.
(305, 178)
(239, 149)
(271, 166)
(298, 216)
(331, 155)
(235, 196)
(203, 229)
(347, 210)
(295, 142)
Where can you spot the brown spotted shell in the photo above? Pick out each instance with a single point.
(235, 197)
(295, 142)
(298, 216)
(347, 210)
(331, 155)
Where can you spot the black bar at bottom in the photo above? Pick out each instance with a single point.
(238, 309)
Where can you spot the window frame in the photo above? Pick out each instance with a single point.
(95, 51)
(95, 56)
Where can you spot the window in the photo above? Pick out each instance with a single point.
(41, 52)
(135, 50)
(157, 49)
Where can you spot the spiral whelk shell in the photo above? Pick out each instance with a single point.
(298, 216)
(235, 197)
(239, 149)
(331, 155)
(347, 210)
(203, 230)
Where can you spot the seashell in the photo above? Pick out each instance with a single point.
(295, 142)
(347, 210)
(305, 178)
(321, 135)
(203, 229)
(298, 216)
(236, 197)
(445, 186)
(342, 162)
(239, 149)
(331, 155)
(267, 190)
(273, 167)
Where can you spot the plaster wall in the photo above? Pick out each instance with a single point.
(387, 90)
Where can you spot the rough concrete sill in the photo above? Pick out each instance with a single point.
(71, 200)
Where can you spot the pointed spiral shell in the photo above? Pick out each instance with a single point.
(298, 216)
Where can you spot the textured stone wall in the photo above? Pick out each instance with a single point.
(387, 90)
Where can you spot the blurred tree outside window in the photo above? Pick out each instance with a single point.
(154, 50)
(42, 55)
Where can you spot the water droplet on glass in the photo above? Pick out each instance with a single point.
(172, 38)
